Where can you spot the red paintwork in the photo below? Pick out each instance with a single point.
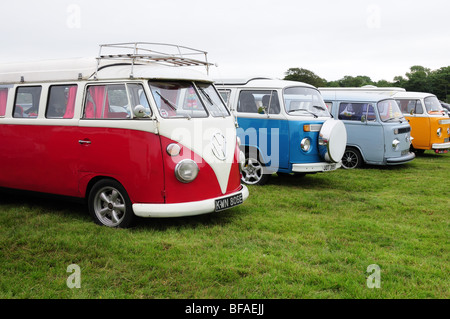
(234, 181)
(203, 187)
(50, 159)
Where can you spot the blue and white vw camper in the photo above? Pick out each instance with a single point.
(378, 133)
(284, 127)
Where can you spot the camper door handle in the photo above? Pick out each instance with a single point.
(84, 142)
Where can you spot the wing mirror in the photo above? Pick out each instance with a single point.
(261, 110)
(139, 111)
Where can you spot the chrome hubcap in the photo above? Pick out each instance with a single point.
(252, 171)
(109, 206)
(349, 160)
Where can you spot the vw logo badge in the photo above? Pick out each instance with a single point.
(219, 146)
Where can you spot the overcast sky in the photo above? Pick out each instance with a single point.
(377, 38)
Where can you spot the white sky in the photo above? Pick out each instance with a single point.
(377, 38)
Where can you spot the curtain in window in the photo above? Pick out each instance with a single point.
(3, 98)
(70, 102)
(97, 103)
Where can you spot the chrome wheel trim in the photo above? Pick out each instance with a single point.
(109, 206)
(252, 171)
(350, 159)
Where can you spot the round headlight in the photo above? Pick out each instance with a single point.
(439, 132)
(305, 144)
(186, 170)
(395, 144)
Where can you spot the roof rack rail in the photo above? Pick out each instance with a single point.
(147, 52)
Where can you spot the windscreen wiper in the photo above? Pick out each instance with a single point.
(319, 107)
(305, 111)
(206, 95)
(166, 101)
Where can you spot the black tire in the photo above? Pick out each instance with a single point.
(110, 205)
(253, 172)
(417, 151)
(351, 158)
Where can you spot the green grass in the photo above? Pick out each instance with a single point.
(310, 237)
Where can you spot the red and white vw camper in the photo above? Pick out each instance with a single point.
(135, 131)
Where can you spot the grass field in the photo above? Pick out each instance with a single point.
(310, 237)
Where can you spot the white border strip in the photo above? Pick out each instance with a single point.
(182, 209)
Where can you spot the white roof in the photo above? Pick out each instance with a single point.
(395, 92)
(85, 68)
(407, 94)
(354, 96)
(366, 88)
(260, 82)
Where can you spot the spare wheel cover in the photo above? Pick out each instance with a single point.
(332, 140)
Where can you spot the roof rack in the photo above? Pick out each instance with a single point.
(146, 52)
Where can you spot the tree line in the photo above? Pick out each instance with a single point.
(418, 79)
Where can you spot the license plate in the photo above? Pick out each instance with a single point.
(228, 202)
(329, 167)
(405, 152)
(446, 139)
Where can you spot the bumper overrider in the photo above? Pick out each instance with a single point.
(192, 208)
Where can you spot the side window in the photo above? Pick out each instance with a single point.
(137, 96)
(3, 100)
(371, 113)
(247, 103)
(27, 101)
(106, 102)
(345, 111)
(114, 101)
(61, 101)
(419, 108)
(225, 94)
(258, 102)
(272, 100)
(406, 106)
(356, 111)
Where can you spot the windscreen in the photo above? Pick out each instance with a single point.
(183, 99)
(432, 104)
(389, 111)
(303, 101)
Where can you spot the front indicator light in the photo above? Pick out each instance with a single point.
(186, 171)
(173, 149)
